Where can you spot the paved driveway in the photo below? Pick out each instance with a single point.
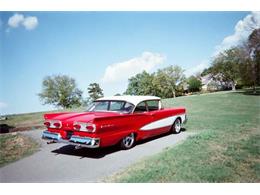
(62, 163)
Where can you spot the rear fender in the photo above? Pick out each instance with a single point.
(113, 129)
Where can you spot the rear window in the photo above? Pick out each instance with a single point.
(113, 106)
(153, 105)
(101, 106)
(116, 106)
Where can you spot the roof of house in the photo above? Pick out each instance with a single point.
(206, 79)
(130, 98)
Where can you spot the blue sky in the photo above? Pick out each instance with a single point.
(104, 47)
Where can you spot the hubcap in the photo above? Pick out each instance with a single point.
(129, 140)
(177, 125)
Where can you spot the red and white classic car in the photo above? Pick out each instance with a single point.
(114, 120)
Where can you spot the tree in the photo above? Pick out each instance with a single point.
(168, 81)
(95, 91)
(164, 83)
(239, 64)
(253, 58)
(206, 71)
(254, 48)
(194, 84)
(225, 67)
(248, 60)
(60, 91)
(245, 66)
(141, 84)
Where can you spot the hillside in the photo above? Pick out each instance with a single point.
(226, 147)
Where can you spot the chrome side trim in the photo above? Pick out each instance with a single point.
(164, 122)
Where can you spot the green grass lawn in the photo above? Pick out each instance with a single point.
(226, 147)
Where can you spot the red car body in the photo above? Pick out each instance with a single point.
(105, 128)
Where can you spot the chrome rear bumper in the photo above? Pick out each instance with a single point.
(87, 142)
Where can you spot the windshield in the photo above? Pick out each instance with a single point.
(110, 106)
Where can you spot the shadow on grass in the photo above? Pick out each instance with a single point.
(97, 153)
(248, 92)
(4, 128)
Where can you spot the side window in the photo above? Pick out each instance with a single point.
(141, 107)
(128, 107)
(153, 105)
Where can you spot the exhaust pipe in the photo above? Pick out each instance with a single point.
(77, 147)
(51, 142)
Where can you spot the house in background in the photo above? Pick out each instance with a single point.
(211, 84)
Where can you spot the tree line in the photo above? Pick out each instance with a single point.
(239, 66)
(62, 91)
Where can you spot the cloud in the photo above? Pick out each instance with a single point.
(15, 20)
(242, 30)
(121, 71)
(197, 69)
(28, 22)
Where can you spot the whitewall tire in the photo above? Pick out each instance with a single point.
(176, 128)
(128, 141)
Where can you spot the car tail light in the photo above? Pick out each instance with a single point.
(90, 127)
(77, 127)
(47, 123)
(87, 127)
(57, 125)
(53, 124)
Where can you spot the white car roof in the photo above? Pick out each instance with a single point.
(134, 99)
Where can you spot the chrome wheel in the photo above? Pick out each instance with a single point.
(177, 126)
(128, 141)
